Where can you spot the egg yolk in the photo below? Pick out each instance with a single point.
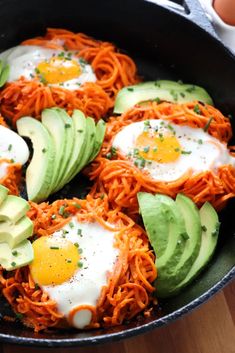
(157, 147)
(58, 70)
(55, 261)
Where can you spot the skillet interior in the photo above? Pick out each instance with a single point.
(166, 46)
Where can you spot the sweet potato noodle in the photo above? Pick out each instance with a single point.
(129, 288)
(113, 70)
(121, 180)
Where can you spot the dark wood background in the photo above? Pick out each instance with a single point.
(208, 329)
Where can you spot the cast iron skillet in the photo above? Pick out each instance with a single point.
(166, 44)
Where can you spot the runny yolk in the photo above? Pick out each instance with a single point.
(55, 261)
(58, 70)
(157, 147)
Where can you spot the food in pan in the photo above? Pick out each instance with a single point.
(167, 148)
(160, 167)
(183, 238)
(62, 146)
(92, 267)
(161, 90)
(63, 69)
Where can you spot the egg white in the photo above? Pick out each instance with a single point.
(23, 60)
(201, 151)
(98, 258)
(12, 147)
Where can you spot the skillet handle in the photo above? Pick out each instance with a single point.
(197, 15)
(190, 9)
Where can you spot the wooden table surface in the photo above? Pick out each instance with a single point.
(208, 329)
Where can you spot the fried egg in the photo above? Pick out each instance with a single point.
(52, 67)
(12, 148)
(168, 151)
(72, 265)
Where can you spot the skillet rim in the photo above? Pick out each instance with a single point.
(159, 322)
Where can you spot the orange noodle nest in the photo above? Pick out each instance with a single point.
(129, 288)
(13, 177)
(113, 70)
(121, 180)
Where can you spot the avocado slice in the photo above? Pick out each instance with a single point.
(3, 193)
(13, 234)
(68, 151)
(39, 173)
(87, 146)
(92, 131)
(21, 255)
(54, 123)
(210, 231)
(79, 123)
(166, 230)
(99, 138)
(13, 208)
(169, 279)
(162, 90)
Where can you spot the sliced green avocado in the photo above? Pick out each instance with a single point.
(156, 221)
(87, 147)
(177, 236)
(79, 123)
(92, 131)
(13, 208)
(20, 255)
(99, 138)
(168, 280)
(39, 173)
(161, 90)
(166, 230)
(68, 151)
(13, 234)
(54, 123)
(210, 231)
(3, 193)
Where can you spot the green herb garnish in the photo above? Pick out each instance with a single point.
(190, 89)
(80, 264)
(197, 109)
(186, 152)
(146, 149)
(77, 205)
(19, 316)
(206, 127)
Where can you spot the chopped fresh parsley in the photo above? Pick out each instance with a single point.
(146, 149)
(206, 127)
(186, 152)
(80, 264)
(197, 109)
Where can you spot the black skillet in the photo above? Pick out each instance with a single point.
(166, 44)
